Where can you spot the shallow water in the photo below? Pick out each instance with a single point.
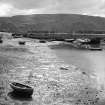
(92, 62)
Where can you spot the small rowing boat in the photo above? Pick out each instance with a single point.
(95, 49)
(21, 42)
(21, 89)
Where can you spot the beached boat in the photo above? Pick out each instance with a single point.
(21, 89)
(42, 41)
(22, 42)
(1, 41)
(95, 49)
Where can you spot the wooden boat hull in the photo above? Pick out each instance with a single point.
(21, 42)
(96, 49)
(21, 89)
(42, 41)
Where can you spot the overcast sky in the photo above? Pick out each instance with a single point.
(25, 7)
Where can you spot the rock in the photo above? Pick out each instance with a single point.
(84, 73)
(63, 68)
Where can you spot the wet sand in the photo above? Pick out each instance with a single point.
(98, 66)
(54, 81)
(90, 62)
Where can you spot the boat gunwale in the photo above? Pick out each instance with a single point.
(25, 87)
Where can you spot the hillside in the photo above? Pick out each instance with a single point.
(51, 22)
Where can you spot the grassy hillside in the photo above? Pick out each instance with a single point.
(51, 22)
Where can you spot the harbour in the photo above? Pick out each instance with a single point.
(52, 77)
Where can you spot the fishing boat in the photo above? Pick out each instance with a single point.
(21, 89)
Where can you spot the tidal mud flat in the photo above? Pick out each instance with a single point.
(54, 82)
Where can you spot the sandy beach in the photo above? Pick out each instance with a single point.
(54, 81)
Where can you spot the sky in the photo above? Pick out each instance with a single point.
(27, 7)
